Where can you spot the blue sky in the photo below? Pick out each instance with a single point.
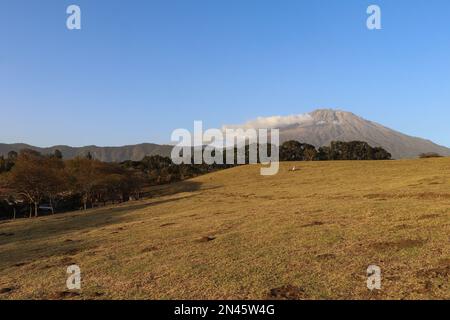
(139, 69)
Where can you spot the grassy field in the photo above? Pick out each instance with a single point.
(233, 234)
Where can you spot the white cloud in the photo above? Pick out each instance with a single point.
(272, 122)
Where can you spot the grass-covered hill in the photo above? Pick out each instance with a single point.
(233, 234)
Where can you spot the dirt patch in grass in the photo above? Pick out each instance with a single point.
(72, 252)
(149, 249)
(6, 290)
(45, 267)
(288, 292)
(6, 234)
(98, 294)
(313, 224)
(66, 295)
(21, 264)
(402, 227)
(442, 270)
(400, 244)
(376, 196)
(67, 261)
(419, 196)
(428, 216)
(326, 256)
(432, 196)
(341, 197)
(167, 224)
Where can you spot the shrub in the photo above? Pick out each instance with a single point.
(430, 155)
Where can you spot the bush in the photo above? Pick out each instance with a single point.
(430, 155)
(338, 150)
(296, 151)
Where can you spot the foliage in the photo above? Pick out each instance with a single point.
(429, 155)
(338, 150)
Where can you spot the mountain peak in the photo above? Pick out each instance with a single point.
(332, 114)
(328, 111)
(322, 126)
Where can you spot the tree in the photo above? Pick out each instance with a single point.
(324, 154)
(381, 154)
(113, 186)
(338, 150)
(7, 164)
(34, 177)
(136, 180)
(2, 164)
(12, 202)
(296, 151)
(57, 154)
(355, 150)
(58, 185)
(12, 155)
(429, 155)
(83, 175)
(310, 154)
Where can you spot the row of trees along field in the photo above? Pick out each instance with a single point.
(31, 182)
(33, 179)
(337, 150)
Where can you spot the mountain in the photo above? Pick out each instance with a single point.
(318, 128)
(322, 126)
(108, 154)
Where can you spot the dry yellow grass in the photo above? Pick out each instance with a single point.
(317, 229)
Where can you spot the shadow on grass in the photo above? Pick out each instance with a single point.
(31, 238)
(174, 188)
(51, 226)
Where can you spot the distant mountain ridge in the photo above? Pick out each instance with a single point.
(318, 128)
(107, 154)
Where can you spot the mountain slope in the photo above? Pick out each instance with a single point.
(109, 154)
(322, 126)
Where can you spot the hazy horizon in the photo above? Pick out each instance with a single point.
(259, 122)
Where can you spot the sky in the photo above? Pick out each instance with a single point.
(137, 70)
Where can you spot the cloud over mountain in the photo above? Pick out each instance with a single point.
(273, 122)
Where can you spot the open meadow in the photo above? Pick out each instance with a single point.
(234, 234)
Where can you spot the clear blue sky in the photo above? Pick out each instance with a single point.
(139, 69)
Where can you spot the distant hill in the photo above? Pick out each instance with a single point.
(108, 154)
(322, 126)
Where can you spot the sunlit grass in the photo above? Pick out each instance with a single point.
(316, 229)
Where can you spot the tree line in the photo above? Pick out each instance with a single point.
(31, 182)
(30, 179)
(337, 150)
